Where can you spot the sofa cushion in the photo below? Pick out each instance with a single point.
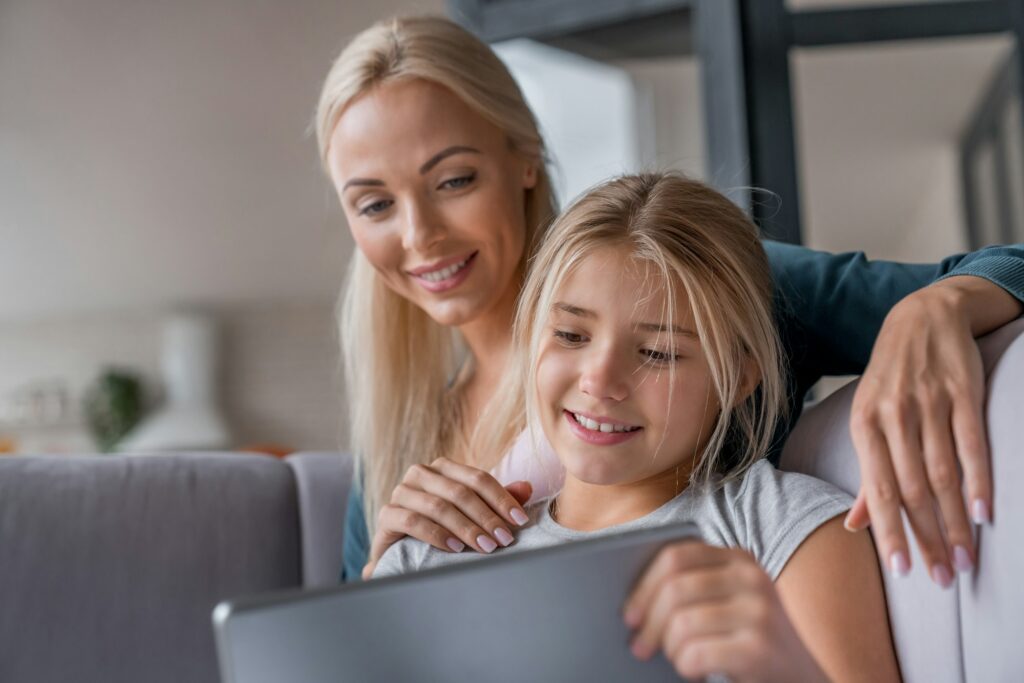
(110, 566)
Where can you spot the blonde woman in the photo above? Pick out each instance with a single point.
(646, 350)
(440, 169)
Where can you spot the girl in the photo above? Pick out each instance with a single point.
(645, 347)
(440, 169)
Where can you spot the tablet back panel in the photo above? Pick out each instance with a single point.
(553, 614)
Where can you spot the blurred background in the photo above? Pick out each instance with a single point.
(171, 253)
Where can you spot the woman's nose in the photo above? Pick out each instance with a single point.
(423, 227)
(604, 376)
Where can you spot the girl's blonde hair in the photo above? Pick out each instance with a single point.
(398, 362)
(700, 244)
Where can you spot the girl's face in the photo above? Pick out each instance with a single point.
(603, 379)
(434, 196)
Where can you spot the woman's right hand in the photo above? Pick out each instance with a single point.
(450, 506)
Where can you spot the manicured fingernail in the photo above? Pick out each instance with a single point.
(640, 649)
(980, 513)
(898, 564)
(486, 544)
(456, 545)
(632, 618)
(962, 559)
(519, 516)
(504, 537)
(941, 576)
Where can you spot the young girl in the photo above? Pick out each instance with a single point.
(645, 346)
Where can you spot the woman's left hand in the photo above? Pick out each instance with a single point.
(917, 420)
(715, 611)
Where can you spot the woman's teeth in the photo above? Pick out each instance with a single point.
(601, 426)
(444, 273)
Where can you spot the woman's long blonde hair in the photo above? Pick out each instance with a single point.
(700, 244)
(398, 362)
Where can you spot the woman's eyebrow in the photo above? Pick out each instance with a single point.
(444, 154)
(370, 182)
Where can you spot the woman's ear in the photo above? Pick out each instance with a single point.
(529, 175)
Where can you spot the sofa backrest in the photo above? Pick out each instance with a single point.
(966, 633)
(110, 566)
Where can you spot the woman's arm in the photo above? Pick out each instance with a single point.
(715, 611)
(356, 541)
(917, 416)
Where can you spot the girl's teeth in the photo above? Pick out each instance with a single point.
(595, 426)
(444, 273)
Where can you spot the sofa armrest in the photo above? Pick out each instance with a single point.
(323, 480)
(962, 633)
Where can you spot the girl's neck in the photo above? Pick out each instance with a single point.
(589, 507)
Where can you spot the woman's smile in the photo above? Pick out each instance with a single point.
(445, 274)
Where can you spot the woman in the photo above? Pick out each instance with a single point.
(440, 169)
(646, 351)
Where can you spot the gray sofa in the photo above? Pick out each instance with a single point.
(111, 565)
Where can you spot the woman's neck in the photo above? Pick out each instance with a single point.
(589, 507)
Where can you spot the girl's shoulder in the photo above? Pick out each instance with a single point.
(770, 512)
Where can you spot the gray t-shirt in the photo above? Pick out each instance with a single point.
(767, 512)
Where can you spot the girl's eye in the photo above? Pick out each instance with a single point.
(376, 207)
(568, 338)
(659, 356)
(458, 183)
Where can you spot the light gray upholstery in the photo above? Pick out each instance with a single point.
(111, 565)
(974, 631)
(323, 482)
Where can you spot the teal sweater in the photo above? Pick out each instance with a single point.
(829, 309)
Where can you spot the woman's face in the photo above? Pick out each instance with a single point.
(603, 379)
(434, 196)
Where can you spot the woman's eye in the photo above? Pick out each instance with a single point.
(568, 338)
(659, 356)
(375, 208)
(458, 183)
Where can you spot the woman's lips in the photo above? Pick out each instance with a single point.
(597, 438)
(453, 280)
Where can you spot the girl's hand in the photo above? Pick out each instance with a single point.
(917, 421)
(715, 611)
(450, 506)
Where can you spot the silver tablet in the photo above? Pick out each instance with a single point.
(553, 614)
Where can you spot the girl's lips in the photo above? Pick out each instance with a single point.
(597, 438)
(451, 282)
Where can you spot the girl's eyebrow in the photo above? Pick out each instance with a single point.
(646, 327)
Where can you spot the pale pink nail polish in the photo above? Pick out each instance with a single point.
(980, 513)
(456, 545)
(941, 576)
(486, 544)
(519, 517)
(962, 559)
(504, 537)
(899, 565)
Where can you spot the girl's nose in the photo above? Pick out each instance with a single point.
(604, 376)
(423, 227)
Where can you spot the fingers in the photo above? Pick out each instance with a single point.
(395, 522)
(736, 653)
(903, 432)
(944, 480)
(484, 487)
(672, 559)
(521, 491)
(857, 519)
(972, 446)
(881, 492)
(695, 602)
(443, 522)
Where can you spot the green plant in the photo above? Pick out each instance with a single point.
(113, 406)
